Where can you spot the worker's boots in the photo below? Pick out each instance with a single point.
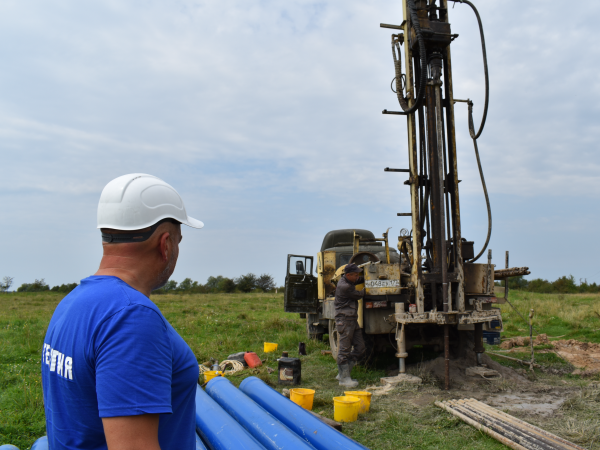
(344, 377)
(351, 365)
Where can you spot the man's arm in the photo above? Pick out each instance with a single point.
(349, 291)
(132, 432)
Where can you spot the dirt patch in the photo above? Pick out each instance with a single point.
(459, 366)
(526, 403)
(522, 341)
(585, 356)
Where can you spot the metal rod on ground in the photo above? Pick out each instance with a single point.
(520, 422)
(520, 361)
(480, 427)
(510, 430)
(531, 338)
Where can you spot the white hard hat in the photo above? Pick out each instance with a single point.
(138, 200)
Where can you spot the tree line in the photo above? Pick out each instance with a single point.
(562, 285)
(220, 284)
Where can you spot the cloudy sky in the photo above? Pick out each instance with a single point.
(266, 117)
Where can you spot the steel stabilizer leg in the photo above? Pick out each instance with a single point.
(479, 350)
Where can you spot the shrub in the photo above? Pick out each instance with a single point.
(265, 282)
(246, 283)
(226, 285)
(64, 288)
(36, 286)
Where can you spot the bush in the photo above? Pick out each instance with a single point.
(190, 287)
(6, 284)
(265, 282)
(226, 285)
(64, 288)
(563, 285)
(212, 284)
(246, 283)
(36, 286)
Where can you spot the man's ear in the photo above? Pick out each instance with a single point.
(165, 246)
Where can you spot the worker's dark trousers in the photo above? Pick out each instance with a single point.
(350, 335)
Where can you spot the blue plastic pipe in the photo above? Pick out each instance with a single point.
(297, 419)
(8, 447)
(40, 444)
(267, 430)
(218, 429)
(199, 444)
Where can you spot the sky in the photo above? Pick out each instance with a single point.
(266, 117)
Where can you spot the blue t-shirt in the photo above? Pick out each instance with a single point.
(109, 352)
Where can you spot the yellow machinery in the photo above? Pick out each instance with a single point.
(430, 291)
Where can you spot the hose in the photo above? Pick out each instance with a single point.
(236, 366)
(414, 19)
(485, 72)
(472, 133)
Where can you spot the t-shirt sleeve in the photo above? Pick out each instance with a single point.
(133, 364)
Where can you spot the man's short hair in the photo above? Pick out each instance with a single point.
(111, 236)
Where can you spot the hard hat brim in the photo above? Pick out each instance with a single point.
(194, 223)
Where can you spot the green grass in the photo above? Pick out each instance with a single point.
(216, 325)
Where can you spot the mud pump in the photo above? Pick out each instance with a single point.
(433, 292)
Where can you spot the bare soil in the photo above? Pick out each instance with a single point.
(584, 356)
(459, 366)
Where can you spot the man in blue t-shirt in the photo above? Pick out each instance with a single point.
(115, 373)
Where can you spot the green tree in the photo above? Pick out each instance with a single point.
(265, 282)
(36, 286)
(170, 285)
(246, 283)
(64, 288)
(226, 285)
(6, 284)
(212, 284)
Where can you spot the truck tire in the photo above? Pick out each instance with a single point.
(333, 339)
(314, 332)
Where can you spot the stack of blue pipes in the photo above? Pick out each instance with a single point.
(257, 417)
(253, 417)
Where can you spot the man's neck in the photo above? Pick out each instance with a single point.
(128, 276)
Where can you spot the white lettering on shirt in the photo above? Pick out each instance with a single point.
(69, 368)
(58, 362)
(53, 356)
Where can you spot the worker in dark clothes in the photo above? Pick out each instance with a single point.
(351, 342)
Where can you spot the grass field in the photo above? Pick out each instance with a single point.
(216, 325)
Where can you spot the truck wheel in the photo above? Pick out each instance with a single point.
(333, 339)
(313, 332)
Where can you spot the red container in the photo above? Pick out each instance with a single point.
(252, 360)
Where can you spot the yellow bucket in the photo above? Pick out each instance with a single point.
(345, 409)
(210, 374)
(303, 397)
(270, 347)
(364, 397)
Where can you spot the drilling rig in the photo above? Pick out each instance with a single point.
(435, 291)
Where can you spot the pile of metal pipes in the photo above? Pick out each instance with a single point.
(505, 428)
(256, 417)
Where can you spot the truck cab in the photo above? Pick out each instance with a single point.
(313, 296)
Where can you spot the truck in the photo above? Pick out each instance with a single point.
(428, 288)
